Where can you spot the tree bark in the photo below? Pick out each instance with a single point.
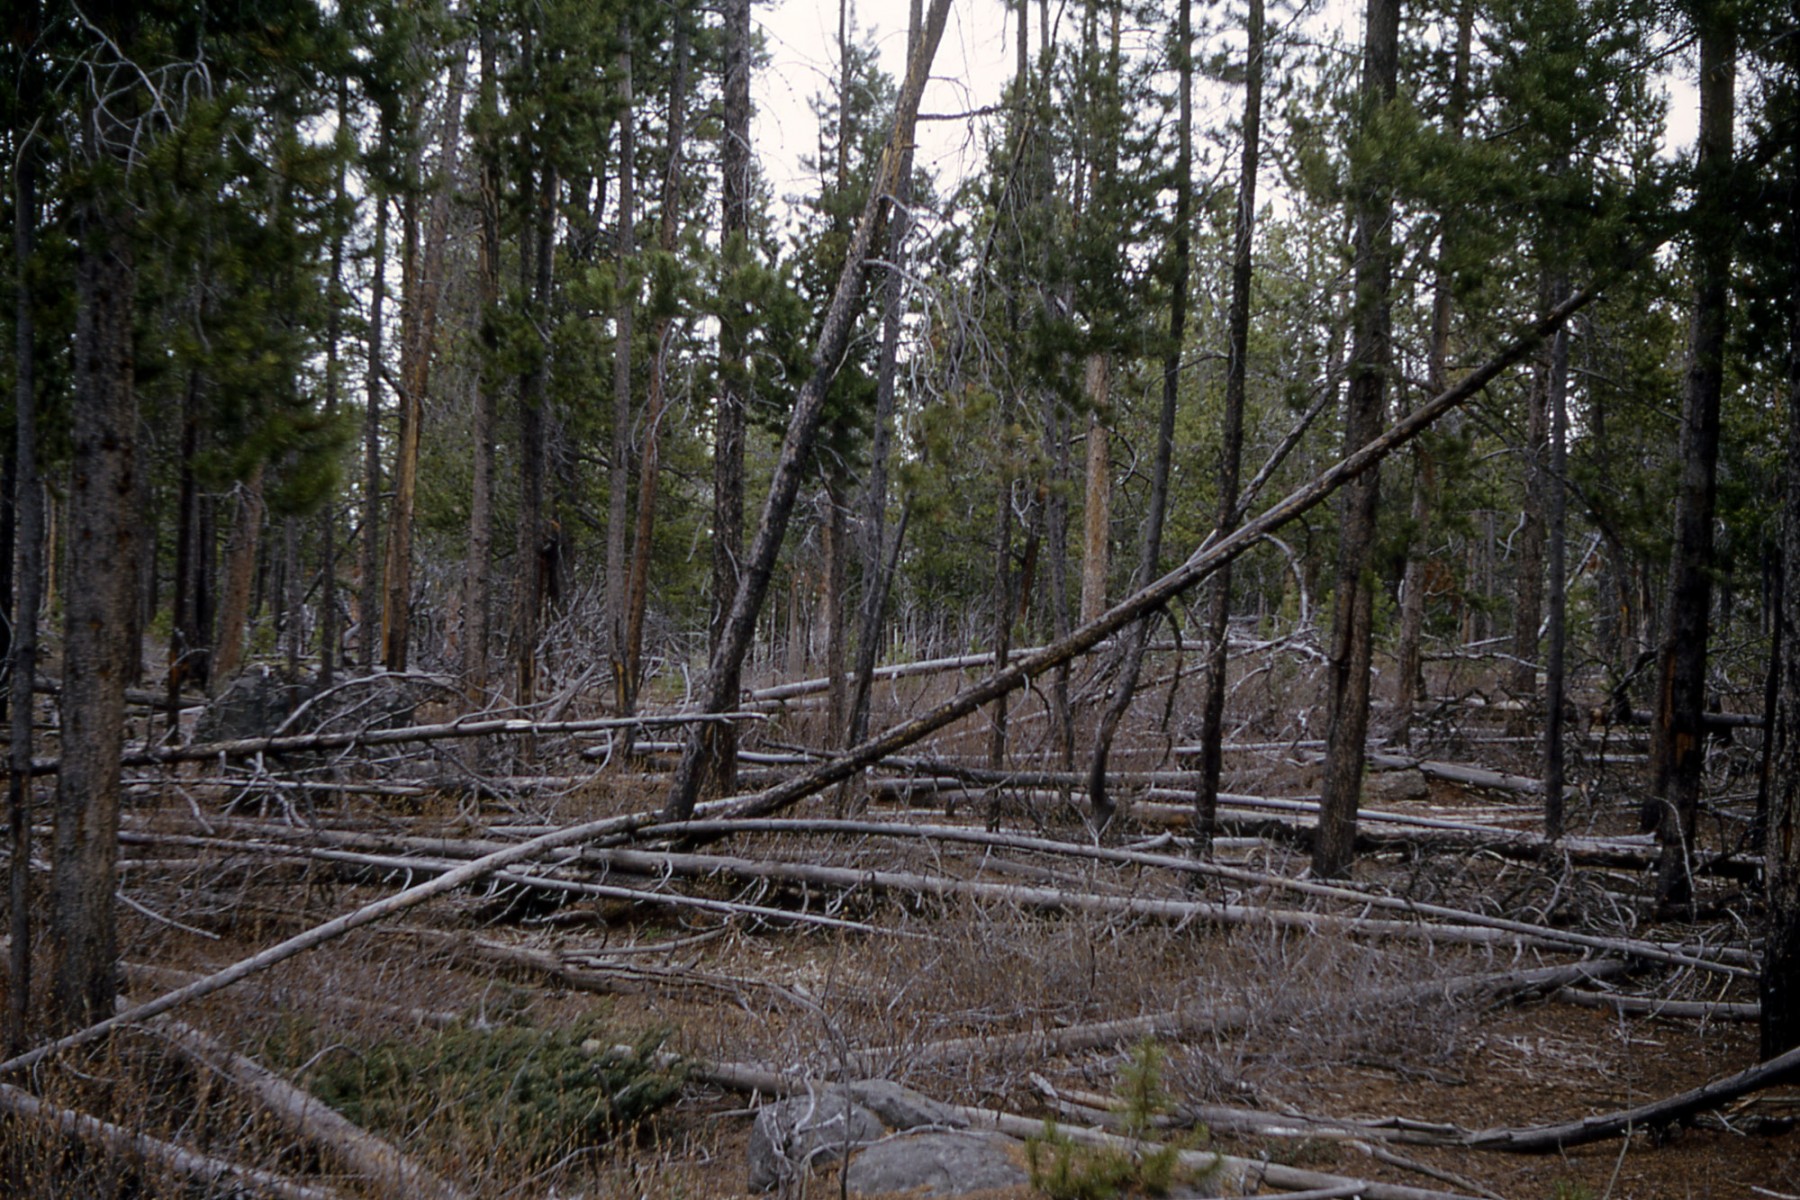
(100, 596)
(1348, 674)
(1557, 634)
(1780, 983)
(730, 413)
(478, 593)
(424, 287)
(796, 450)
(649, 454)
(618, 469)
(29, 512)
(1409, 687)
(1218, 611)
(368, 594)
(1678, 745)
(1097, 512)
(240, 575)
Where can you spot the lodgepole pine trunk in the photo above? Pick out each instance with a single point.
(101, 593)
(1218, 611)
(1678, 745)
(649, 455)
(424, 287)
(618, 470)
(240, 575)
(796, 450)
(29, 511)
(1348, 674)
(731, 412)
(1150, 557)
(478, 593)
(1780, 983)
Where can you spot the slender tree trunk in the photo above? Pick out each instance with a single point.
(368, 591)
(1780, 982)
(1097, 512)
(1348, 673)
(424, 287)
(328, 520)
(1218, 612)
(1149, 562)
(240, 576)
(1554, 669)
(720, 750)
(618, 470)
(97, 607)
(477, 591)
(723, 674)
(1678, 748)
(29, 509)
(876, 577)
(1528, 576)
(1003, 604)
(649, 456)
(837, 600)
(1409, 685)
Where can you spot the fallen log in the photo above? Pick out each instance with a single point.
(300, 743)
(308, 1117)
(167, 1156)
(1245, 1176)
(1651, 1006)
(1189, 1019)
(1652, 1117)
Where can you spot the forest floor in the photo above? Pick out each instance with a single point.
(1326, 1024)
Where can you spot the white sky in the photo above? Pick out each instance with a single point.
(974, 63)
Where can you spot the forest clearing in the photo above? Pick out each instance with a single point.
(1229, 634)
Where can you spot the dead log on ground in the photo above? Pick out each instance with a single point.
(167, 1156)
(308, 1117)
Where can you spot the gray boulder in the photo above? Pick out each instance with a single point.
(798, 1134)
(942, 1163)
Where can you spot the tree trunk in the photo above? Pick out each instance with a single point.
(1554, 681)
(240, 575)
(29, 512)
(723, 673)
(837, 603)
(1218, 611)
(1678, 747)
(1348, 674)
(97, 608)
(649, 456)
(1149, 559)
(328, 520)
(368, 595)
(424, 287)
(730, 414)
(618, 469)
(478, 593)
(1409, 686)
(1780, 983)
(1097, 513)
(1528, 567)
(876, 577)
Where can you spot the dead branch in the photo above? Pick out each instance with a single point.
(1651, 1006)
(1158, 594)
(300, 743)
(1246, 1176)
(1652, 1117)
(1178, 1023)
(1630, 947)
(168, 1156)
(306, 1116)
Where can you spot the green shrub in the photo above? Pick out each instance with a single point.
(532, 1094)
